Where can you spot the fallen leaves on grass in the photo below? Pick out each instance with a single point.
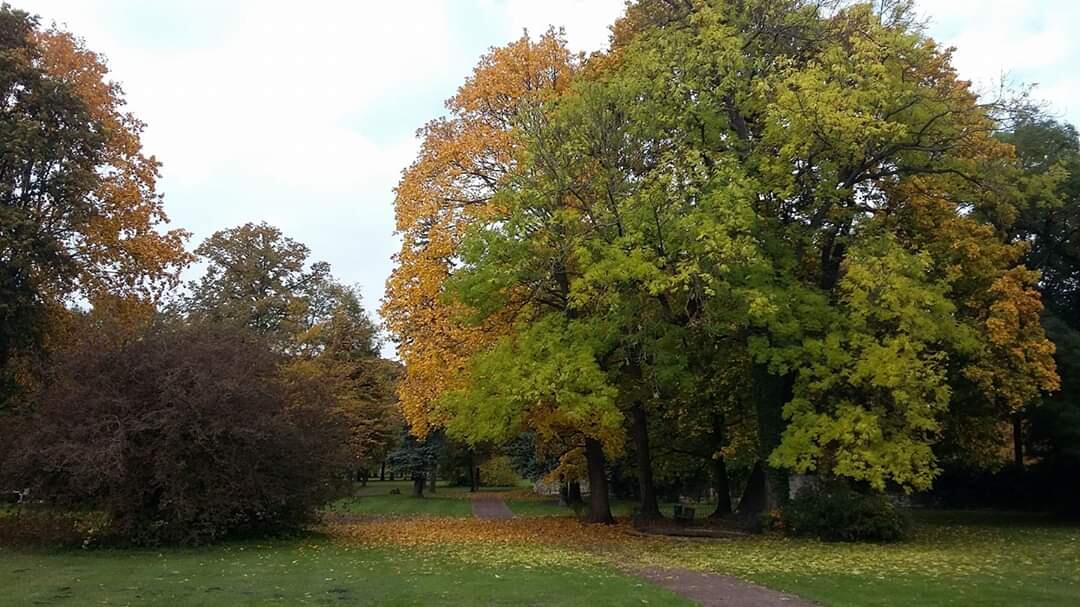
(538, 542)
(938, 552)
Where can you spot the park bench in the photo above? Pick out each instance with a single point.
(683, 514)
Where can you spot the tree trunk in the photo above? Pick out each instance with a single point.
(573, 494)
(770, 392)
(1018, 441)
(719, 469)
(649, 509)
(382, 471)
(755, 498)
(723, 491)
(433, 478)
(418, 484)
(474, 473)
(363, 478)
(599, 504)
(564, 493)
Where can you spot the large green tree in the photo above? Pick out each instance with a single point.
(811, 186)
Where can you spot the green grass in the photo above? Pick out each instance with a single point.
(376, 499)
(309, 573)
(403, 505)
(957, 559)
(961, 559)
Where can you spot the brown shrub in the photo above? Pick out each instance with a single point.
(185, 434)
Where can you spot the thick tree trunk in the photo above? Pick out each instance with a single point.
(754, 499)
(418, 484)
(1018, 441)
(382, 471)
(564, 493)
(719, 469)
(599, 504)
(649, 508)
(433, 478)
(363, 478)
(720, 485)
(770, 393)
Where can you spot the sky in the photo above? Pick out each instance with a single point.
(304, 114)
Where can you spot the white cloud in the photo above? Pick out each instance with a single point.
(1026, 42)
(587, 22)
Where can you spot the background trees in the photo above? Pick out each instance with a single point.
(260, 281)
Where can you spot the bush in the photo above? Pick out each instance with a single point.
(184, 435)
(499, 472)
(835, 512)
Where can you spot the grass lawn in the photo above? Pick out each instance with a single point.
(961, 559)
(309, 573)
(402, 505)
(543, 558)
(376, 499)
(955, 559)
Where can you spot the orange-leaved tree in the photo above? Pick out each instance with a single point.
(464, 158)
(80, 217)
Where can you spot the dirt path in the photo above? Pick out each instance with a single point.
(491, 507)
(715, 590)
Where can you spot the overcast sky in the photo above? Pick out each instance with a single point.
(303, 114)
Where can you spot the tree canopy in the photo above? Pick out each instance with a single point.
(805, 191)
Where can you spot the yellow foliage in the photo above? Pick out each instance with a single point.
(463, 159)
(121, 249)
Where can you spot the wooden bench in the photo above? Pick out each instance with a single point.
(683, 514)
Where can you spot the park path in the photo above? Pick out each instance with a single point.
(715, 590)
(490, 507)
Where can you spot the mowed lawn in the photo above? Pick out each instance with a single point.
(377, 498)
(955, 559)
(302, 573)
(961, 559)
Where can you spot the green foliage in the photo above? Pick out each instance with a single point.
(874, 388)
(836, 513)
(546, 377)
(499, 472)
(259, 279)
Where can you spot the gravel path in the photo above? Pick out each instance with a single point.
(491, 508)
(715, 590)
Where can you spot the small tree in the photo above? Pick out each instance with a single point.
(416, 459)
